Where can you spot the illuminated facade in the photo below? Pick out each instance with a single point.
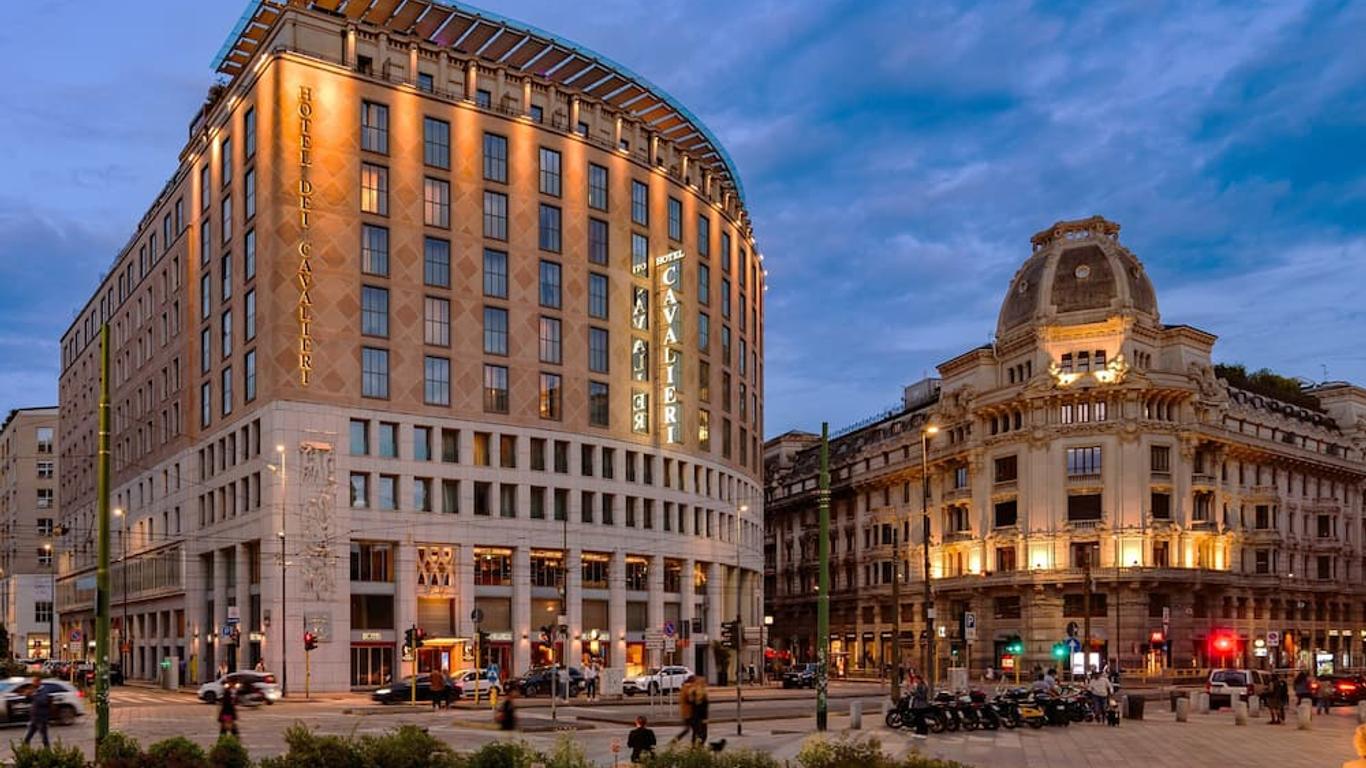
(1092, 434)
(473, 316)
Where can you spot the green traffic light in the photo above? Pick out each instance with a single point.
(1060, 651)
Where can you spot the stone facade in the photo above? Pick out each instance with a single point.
(29, 539)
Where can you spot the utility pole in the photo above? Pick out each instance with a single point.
(739, 631)
(1086, 617)
(931, 658)
(896, 620)
(102, 545)
(284, 591)
(823, 583)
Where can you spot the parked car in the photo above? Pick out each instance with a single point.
(1344, 689)
(540, 680)
(1224, 684)
(469, 680)
(251, 687)
(85, 674)
(400, 691)
(656, 681)
(68, 701)
(800, 676)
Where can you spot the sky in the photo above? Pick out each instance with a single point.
(896, 158)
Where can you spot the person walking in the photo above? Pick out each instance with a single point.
(1276, 696)
(39, 712)
(227, 711)
(437, 681)
(641, 740)
(701, 710)
(685, 708)
(1100, 688)
(590, 681)
(1302, 688)
(1323, 696)
(506, 713)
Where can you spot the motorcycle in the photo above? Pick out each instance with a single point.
(1007, 711)
(917, 718)
(1025, 708)
(984, 713)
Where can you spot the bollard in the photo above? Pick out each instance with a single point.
(1254, 706)
(855, 715)
(1183, 708)
(1304, 715)
(886, 707)
(1361, 712)
(1200, 702)
(1239, 712)
(1205, 706)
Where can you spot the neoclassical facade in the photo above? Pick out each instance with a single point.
(442, 322)
(1220, 521)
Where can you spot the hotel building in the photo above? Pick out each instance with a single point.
(1220, 516)
(28, 529)
(442, 321)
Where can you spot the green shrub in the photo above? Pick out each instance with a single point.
(56, 757)
(843, 752)
(916, 760)
(119, 750)
(176, 752)
(745, 758)
(504, 754)
(682, 757)
(229, 753)
(307, 749)
(408, 746)
(567, 754)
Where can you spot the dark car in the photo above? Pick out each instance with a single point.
(402, 690)
(539, 680)
(85, 674)
(1344, 689)
(800, 676)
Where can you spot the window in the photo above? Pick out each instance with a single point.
(374, 311)
(386, 492)
(225, 333)
(1006, 513)
(550, 396)
(225, 213)
(1085, 506)
(422, 443)
(436, 321)
(374, 372)
(597, 350)
(495, 215)
(225, 163)
(492, 567)
(450, 446)
(1005, 558)
(374, 127)
(1007, 607)
(1161, 458)
(44, 497)
(495, 274)
(550, 284)
(248, 197)
(1075, 605)
(42, 609)
(550, 228)
(598, 404)
(550, 340)
(44, 556)
(450, 497)
(225, 282)
(640, 203)
(483, 99)
(360, 490)
(360, 437)
(372, 561)
(374, 189)
(481, 501)
(1161, 506)
(436, 142)
(640, 255)
(248, 255)
(1083, 461)
(436, 262)
(437, 381)
(1007, 469)
(495, 158)
(1263, 561)
(387, 439)
(436, 203)
(597, 295)
(495, 331)
(703, 284)
(597, 241)
(249, 316)
(597, 187)
(204, 192)
(725, 297)
(960, 474)
(703, 235)
(374, 250)
(495, 389)
(425, 82)
(675, 219)
(538, 113)
(550, 172)
(46, 470)
(248, 134)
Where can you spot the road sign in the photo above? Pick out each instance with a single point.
(670, 644)
(654, 639)
(969, 626)
(75, 635)
(669, 629)
(1073, 644)
(751, 635)
(1273, 638)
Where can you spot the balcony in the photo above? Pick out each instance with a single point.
(1084, 479)
(1202, 525)
(1085, 525)
(1202, 478)
(1264, 490)
(1004, 486)
(1161, 477)
(958, 494)
(955, 536)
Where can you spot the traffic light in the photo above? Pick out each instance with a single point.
(310, 641)
(420, 635)
(1060, 651)
(1015, 646)
(482, 638)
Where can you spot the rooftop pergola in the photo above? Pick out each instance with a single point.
(519, 47)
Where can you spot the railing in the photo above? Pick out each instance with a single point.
(1084, 525)
(955, 494)
(1202, 478)
(1004, 485)
(1084, 479)
(1161, 476)
(954, 536)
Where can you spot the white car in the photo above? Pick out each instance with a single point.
(470, 680)
(657, 680)
(1224, 684)
(68, 701)
(252, 688)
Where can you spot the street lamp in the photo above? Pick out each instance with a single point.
(739, 631)
(123, 566)
(931, 659)
(52, 616)
(284, 595)
(767, 628)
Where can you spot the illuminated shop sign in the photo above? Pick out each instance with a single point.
(304, 272)
(640, 412)
(670, 270)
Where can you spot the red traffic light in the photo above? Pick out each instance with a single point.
(310, 641)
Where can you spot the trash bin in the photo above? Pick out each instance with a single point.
(1135, 710)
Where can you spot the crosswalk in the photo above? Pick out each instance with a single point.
(146, 697)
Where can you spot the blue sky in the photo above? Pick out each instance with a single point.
(897, 156)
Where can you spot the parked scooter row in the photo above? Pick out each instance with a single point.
(973, 710)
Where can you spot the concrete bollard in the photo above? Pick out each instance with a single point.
(1304, 715)
(855, 715)
(1254, 706)
(1361, 712)
(1183, 709)
(1240, 712)
(1201, 703)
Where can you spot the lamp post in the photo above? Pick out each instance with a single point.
(932, 660)
(123, 566)
(739, 627)
(284, 591)
(766, 629)
(52, 617)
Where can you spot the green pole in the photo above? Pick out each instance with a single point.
(823, 583)
(102, 542)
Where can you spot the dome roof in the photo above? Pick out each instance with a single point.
(1078, 273)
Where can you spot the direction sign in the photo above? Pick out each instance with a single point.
(1073, 644)
(969, 626)
(751, 635)
(1273, 638)
(669, 629)
(670, 644)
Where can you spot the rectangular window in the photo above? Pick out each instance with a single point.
(597, 187)
(550, 172)
(436, 321)
(227, 390)
(436, 142)
(386, 492)
(248, 255)
(703, 331)
(495, 274)
(450, 446)
(450, 497)
(248, 197)
(205, 193)
(436, 203)
(374, 189)
(374, 250)
(374, 311)
(249, 316)
(205, 349)
(1161, 506)
(483, 99)
(725, 297)
(1006, 513)
(422, 494)
(374, 127)
(725, 344)
(640, 203)
(550, 284)
(437, 381)
(704, 430)
(387, 440)
(225, 333)
(725, 251)
(597, 296)
(495, 389)
(225, 213)
(225, 282)
(597, 241)
(249, 133)
(1006, 469)
(436, 262)
(422, 443)
(597, 350)
(205, 404)
(549, 239)
(1084, 507)
(640, 255)
(495, 331)
(598, 404)
(225, 163)
(507, 500)
(1161, 458)
(703, 235)
(703, 284)
(1083, 461)
(550, 340)
(550, 396)
(495, 215)
(360, 437)
(495, 158)
(675, 219)
(374, 372)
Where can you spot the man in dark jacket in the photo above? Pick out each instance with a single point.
(641, 740)
(40, 710)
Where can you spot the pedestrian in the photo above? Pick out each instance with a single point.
(641, 740)
(1323, 698)
(260, 665)
(1100, 688)
(1277, 694)
(701, 708)
(590, 681)
(39, 712)
(506, 713)
(685, 708)
(437, 682)
(1302, 687)
(227, 711)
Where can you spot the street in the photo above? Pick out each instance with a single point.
(776, 723)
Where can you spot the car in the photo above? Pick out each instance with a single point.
(466, 683)
(68, 701)
(85, 674)
(1224, 684)
(540, 680)
(401, 690)
(800, 676)
(251, 687)
(1344, 689)
(656, 681)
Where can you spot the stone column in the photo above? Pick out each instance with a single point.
(471, 80)
(526, 95)
(573, 604)
(220, 608)
(243, 594)
(521, 609)
(412, 63)
(655, 616)
(687, 602)
(716, 610)
(405, 589)
(464, 589)
(616, 610)
(349, 52)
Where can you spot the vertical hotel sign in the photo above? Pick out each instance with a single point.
(640, 356)
(670, 270)
(304, 271)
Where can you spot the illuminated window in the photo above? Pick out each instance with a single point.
(436, 203)
(374, 189)
(550, 398)
(495, 389)
(550, 340)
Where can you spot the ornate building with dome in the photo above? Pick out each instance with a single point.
(1218, 514)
